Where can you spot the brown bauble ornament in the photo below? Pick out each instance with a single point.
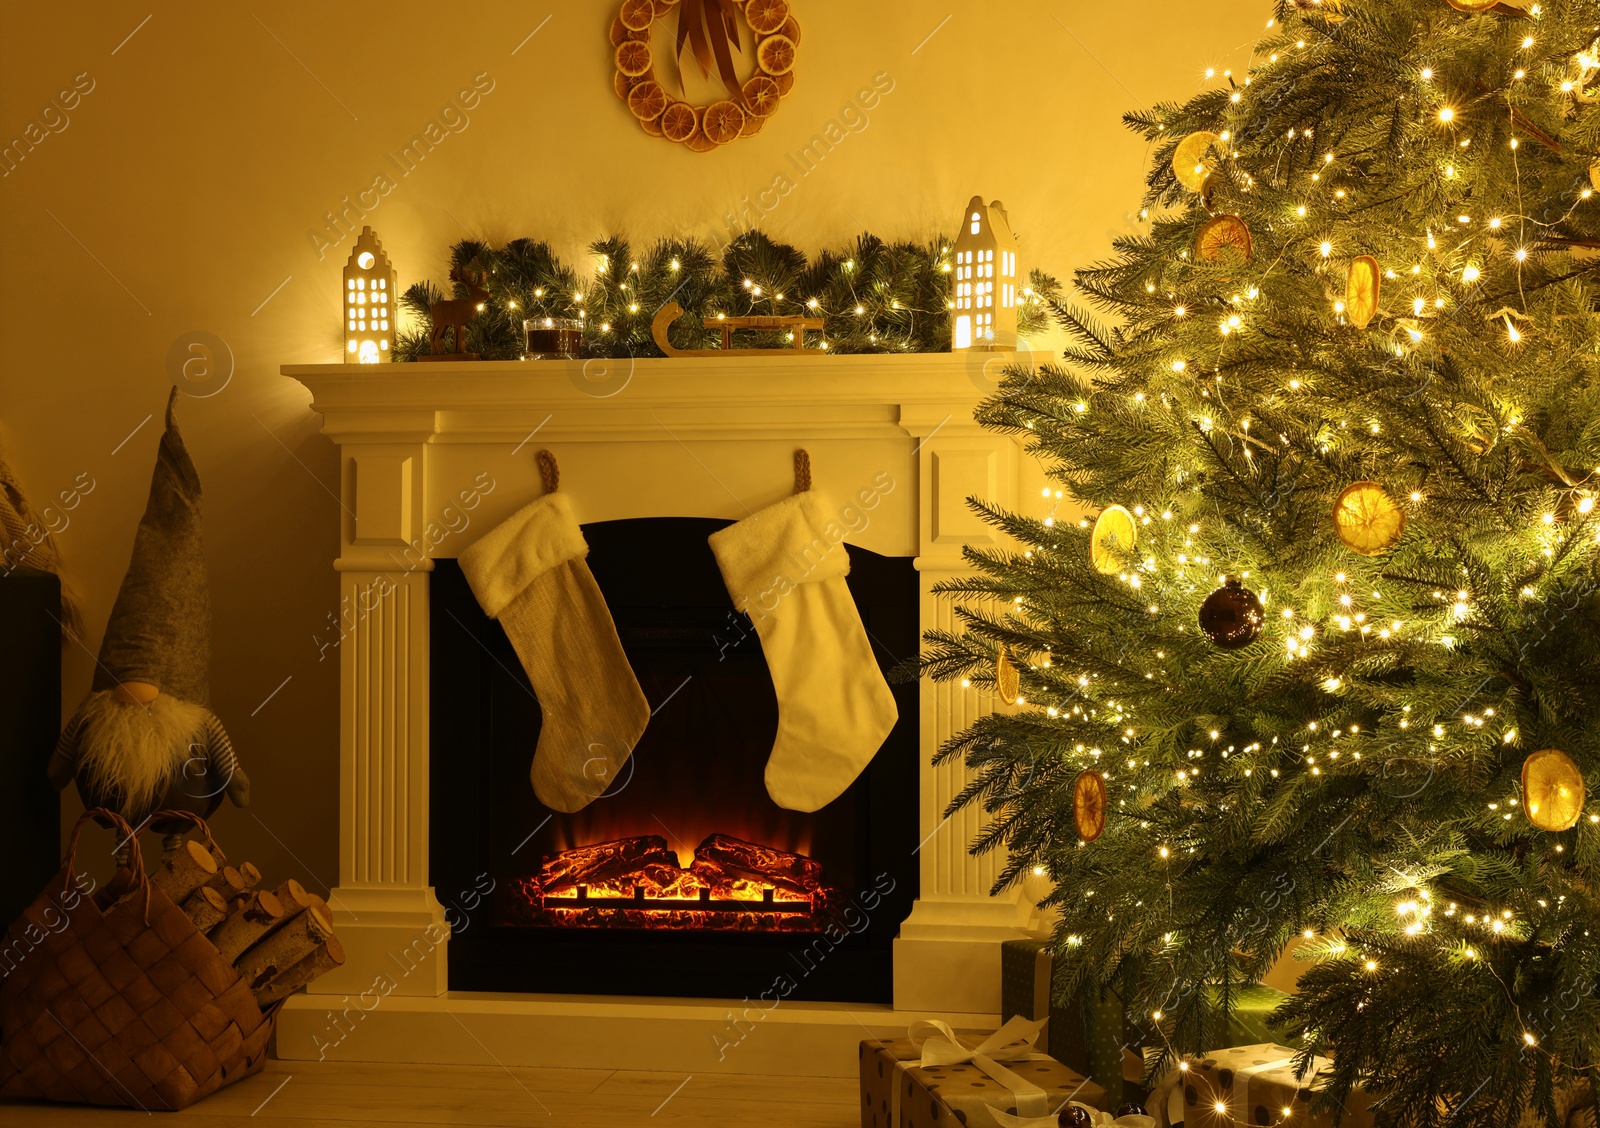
(1089, 804)
(1552, 790)
(1231, 616)
(1073, 1116)
(1473, 6)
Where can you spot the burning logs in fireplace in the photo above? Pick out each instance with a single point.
(639, 883)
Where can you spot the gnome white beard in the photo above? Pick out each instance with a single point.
(133, 750)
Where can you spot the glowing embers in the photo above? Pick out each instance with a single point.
(639, 882)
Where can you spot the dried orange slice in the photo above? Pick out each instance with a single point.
(619, 32)
(722, 121)
(775, 55)
(698, 142)
(1006, 681)
(752, 125)
(1111, 539)
(1367, 519)
(1221, 236)
(791, 29)
(679, 122)
(662, 7)
(1552, 790)
(633, 57)
(766, 16)
(652, 127)
(1189, 162)
(1361, 290)
(761, 95)
(647, 100)
(637, 14)
(622, 84)
(1089, 804)
(785, 83)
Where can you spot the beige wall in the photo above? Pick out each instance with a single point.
(189, 183)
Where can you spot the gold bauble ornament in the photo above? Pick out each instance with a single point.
(1552, 790)
(1114, 533)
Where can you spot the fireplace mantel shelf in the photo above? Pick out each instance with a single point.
(650, 399)
(432, 455)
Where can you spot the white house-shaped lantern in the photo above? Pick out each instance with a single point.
(984, 313)
(369, 297)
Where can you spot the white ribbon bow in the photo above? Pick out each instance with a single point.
(1012, 1042)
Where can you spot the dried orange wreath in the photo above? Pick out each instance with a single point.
(707, 28)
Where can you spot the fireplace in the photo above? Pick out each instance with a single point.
(437, 820)
(684, 878)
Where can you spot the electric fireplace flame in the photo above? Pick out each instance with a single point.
(641, 883)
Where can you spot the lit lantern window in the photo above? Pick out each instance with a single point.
(369, 279)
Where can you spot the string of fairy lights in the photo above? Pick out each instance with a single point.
(1173, 561)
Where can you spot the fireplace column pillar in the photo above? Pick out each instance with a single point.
(392, 926)
(947, 956)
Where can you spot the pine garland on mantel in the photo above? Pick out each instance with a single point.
(875, 297)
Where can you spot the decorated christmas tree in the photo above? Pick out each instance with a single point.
(1302, 647)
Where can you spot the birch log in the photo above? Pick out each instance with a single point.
(206, 907)
(329, 956)
(284, 947)
(252, 917)
(185, 870)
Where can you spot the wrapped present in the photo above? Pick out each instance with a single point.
(1249, 1017)
(936, 1073)
(1247, 1085)
(1097, 1118)
(1087, 1035)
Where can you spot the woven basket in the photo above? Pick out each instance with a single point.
(121, 1004)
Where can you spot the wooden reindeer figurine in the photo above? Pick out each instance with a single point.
(454, 313)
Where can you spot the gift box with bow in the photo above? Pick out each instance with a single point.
(1086, 1033)
(1247, 1085)
(934, 1074)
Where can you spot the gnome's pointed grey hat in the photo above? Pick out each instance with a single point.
(160, 628)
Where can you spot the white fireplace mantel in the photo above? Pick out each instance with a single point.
(433, 455)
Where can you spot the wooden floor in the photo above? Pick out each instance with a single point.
(349, 1095)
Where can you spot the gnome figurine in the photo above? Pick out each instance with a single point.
(144, 739)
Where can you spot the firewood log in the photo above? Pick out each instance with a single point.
(185, 870)
(329, 956)
(251, 918)
(251, 875)
(766, 865)
(294, 898)
(206, 907)
(605, 862)
(327, 912)
(283, 947)
(229, 882)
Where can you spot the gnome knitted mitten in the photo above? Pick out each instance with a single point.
(834, 708)
(529, 573)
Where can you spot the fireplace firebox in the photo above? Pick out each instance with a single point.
(684, 878)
